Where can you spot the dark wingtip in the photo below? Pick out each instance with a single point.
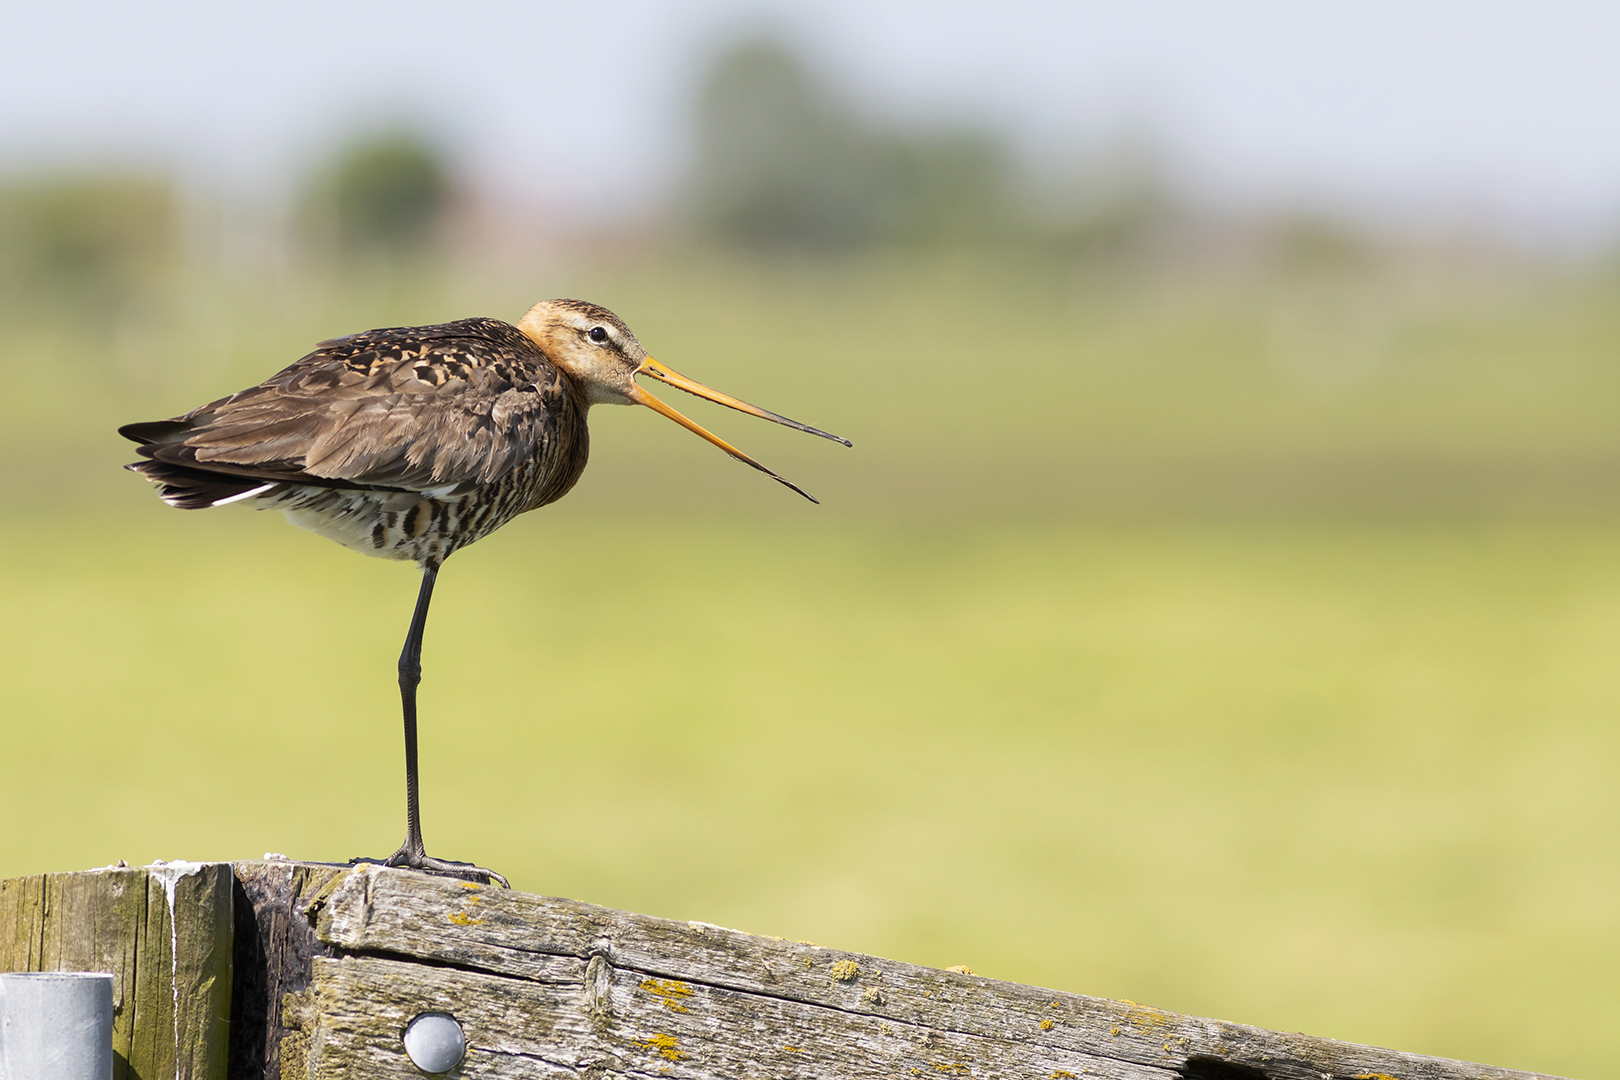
(152, 431)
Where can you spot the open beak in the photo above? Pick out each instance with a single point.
(681, 382)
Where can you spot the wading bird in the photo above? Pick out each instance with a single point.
(413, 442)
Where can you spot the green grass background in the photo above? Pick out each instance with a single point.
(1242, 646)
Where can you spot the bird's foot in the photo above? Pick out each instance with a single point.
(407, 859)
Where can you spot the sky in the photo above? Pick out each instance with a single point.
(1469, 109)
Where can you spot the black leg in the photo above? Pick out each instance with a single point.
(413, 853)
(410, 677)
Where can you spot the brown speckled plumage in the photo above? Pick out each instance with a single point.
(407, 443)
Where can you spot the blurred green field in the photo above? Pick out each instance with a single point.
(996, 389)
(1244, 648)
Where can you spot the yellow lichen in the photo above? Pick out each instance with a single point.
(1146, 1017)
(669, 991)
(461, 918)
(663, 1044)
(960, 969)
(794, 1049)
(1062, 1074)
(1046, 1025)
(950, 1067)
(846, 970)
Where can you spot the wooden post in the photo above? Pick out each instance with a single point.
(332, 964)
(275, 951)
(165, 934)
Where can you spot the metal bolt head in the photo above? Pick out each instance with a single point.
(434, 1042)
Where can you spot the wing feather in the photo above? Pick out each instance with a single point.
(454, 405)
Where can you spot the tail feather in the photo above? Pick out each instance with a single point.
(195, 489)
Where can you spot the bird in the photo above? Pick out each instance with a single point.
(412, 443)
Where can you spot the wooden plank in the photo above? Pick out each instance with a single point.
(163, 931)
(629, 1024)
(273, 957)
(745, 999)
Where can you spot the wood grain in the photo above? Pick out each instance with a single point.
(631, 1024)
(165, 934)
(320, 969)
(273, 957)
(740, 988)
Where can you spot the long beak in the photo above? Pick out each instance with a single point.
(664, 374)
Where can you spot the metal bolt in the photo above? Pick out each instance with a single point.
(434, 1042)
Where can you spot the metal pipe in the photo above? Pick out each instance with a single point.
(56, 1025)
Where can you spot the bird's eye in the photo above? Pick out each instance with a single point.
(597, 334)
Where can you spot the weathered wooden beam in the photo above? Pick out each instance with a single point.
(163, 931)
(550, 987)
(332, 963)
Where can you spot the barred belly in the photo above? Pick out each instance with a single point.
(416, 526)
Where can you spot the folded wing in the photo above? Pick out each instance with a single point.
(411, 409)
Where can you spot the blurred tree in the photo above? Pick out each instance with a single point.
(386, 194)
(95, 243)
(779, 161)
(1315, 242)
(955, 186)
(782, 162)
(1112, 206)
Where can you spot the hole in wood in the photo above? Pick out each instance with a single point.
(1213, 1068)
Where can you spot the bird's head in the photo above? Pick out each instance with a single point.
(602, 358)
